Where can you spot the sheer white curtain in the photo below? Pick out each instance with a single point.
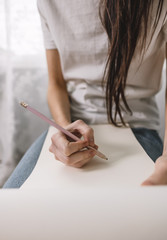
(23, 76)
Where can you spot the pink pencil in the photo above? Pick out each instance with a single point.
(75, 138)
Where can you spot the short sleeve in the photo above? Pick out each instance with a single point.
(47, 36)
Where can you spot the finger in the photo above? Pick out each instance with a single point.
(70, 159)
(52, 149)
(58, 155)
(154, 179)
(81, 163)
(148, 183)
(76, 165)
(88, 134)
(77, 157)
(95, 146)
(61, 144)
(86, 131)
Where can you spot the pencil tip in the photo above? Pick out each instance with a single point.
(23, 104)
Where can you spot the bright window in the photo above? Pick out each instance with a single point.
(20, 27)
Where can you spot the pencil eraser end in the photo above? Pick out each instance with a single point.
(23, 104)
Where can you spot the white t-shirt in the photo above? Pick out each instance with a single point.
(74, 28)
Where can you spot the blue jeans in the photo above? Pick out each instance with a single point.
(149, 140)
(26, 164)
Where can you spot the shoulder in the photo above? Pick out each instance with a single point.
(44, 7)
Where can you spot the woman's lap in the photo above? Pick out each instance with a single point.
(26, 164)
(149, 140)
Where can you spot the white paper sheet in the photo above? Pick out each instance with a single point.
(128, 164)
(64, 203)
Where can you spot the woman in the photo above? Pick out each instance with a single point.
(128, 61)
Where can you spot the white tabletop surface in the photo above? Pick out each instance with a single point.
(112, 214)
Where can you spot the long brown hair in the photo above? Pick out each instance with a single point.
(124, 21)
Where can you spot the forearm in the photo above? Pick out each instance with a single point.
(165, 137)
(59, 105)
(57, 96)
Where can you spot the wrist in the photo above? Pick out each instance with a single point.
(65, 123)
(164, 153)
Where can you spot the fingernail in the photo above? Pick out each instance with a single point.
(95, 146)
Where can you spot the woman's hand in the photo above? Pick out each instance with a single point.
(159, 177)
(69, 152)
